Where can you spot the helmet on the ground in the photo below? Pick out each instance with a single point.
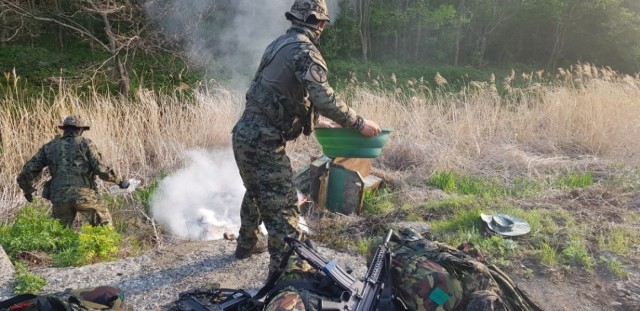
(74, 121)
(303, 9)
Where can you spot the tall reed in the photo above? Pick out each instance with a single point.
(536, 129)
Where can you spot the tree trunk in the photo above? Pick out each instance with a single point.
(456, 53)
(416, 51)
(119, 63)
(364, 13)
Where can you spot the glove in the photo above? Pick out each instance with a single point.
(124, 184)
(29, 197)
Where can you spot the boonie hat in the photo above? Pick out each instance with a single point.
(74, 121)
(506, 225)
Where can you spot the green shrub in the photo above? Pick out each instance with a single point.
(34, 230)
(25, 281)
(577, 255)
(94, 244)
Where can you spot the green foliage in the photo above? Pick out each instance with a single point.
(576, 254)
(363, 246)
(493, 188)
(618, 241)
(94, 244)
(443, 180)
(615, 266)
(466, 185)
(574, 180)
(26, 282)
(34, 230)
(548, 255)
(450, 205)
(376, 202)
(144, 195)
(464, 220)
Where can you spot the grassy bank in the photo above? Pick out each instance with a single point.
(556, 149)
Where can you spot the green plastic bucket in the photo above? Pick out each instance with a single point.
(349, 143)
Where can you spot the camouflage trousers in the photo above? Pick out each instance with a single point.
(90, 207)
(270, 196)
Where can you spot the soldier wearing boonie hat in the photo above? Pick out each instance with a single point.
(74, 162)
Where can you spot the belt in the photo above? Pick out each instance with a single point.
(255, 117)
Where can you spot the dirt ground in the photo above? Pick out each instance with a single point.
(571, 289)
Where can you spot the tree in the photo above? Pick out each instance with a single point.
(118, 31)
(363, 11)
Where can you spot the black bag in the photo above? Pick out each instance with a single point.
(213, 298)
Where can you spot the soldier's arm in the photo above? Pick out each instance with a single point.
(97, 165)
(31, 170)
(312, 71)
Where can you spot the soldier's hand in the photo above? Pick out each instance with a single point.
(371, 128)
(124, 184)
(29, 197)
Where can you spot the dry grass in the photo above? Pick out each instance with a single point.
(584, 120)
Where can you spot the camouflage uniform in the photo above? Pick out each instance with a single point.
(288, 92)
(73, 163)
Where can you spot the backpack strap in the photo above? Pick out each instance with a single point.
(5, 304)
(519, 300)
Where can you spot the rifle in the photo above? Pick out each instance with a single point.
(217, 299)
(374, 293)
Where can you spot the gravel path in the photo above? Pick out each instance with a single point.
(152, 280)
(155, 279)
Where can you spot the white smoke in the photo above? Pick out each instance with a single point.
(202, 200)
(236, 49)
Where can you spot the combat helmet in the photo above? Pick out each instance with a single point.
(303, 9)
(74, 121)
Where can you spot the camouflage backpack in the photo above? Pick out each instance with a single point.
(105, 298)
(419, 282)
(428, 275)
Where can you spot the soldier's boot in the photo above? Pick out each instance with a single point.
(243, 253)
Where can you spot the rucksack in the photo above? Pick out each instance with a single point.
(105, 298)
(428, 275)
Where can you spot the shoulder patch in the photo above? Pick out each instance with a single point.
(316, 73)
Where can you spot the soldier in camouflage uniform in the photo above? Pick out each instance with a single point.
(73, 163)
(289, 91)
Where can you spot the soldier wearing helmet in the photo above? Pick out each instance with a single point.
(288, 93)
(73, 163)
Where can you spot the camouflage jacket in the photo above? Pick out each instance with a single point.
(291, 84)
(73, 163)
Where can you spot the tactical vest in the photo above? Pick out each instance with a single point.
(68, 164)
(289, 115)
